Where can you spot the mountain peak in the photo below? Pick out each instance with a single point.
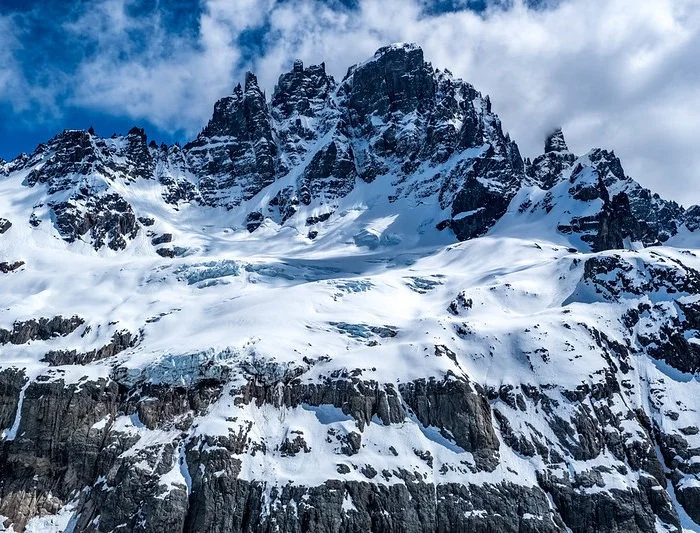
(397, 78)
(403, 47)
(201, 324)
(139, 132)
(251, 81)
(555, 142)
(303, 90)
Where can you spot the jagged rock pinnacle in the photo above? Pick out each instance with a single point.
(407, 47)
(251, 81)
(555, 142)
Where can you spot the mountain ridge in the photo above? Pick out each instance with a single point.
(399, 119)
(351, 307)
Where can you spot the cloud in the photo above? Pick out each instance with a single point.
(18, 94)
(618, 73)
(621, 74)
(141, 69)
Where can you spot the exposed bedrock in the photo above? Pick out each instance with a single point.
(67, 446)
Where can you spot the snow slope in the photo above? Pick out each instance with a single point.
(378, 375)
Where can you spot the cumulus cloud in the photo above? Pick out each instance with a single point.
(615, 73)
(141, 69)
(621, 74)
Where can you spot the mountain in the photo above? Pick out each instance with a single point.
(351, 306)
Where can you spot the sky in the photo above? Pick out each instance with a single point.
(618, 74)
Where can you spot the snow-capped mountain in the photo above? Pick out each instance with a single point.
(350, 306)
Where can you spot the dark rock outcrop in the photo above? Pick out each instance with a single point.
(555, 142)
(6, 267)
(121, 340)
(331, 172)
(235, 153)
(162, 239)
(41, 329)
(691, 218)
(616, 223)
(614, 510)
(463, 414)
(397, 79)
(4, 225)
(107, 220)
(393, 117)
(57, 447)
(547, 169)
(689, 497)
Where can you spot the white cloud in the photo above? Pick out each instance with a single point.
(162, 77)
(621, 74)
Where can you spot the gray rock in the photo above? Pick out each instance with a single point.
(4, 225)
(121, 340)
(459, 411)
(41, 329)
(235, 153)
(162, 239)
(7, 267)
(689, 498)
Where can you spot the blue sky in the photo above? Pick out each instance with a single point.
(616, 73)
(50, 52)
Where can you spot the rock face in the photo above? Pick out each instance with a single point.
(4, 225)
(10, 266)
(235, 153)
(547, 169)
(555, 142)
(350, 306)
(691, 218)
(616, 222)
(422, 138)
(42, 329)
(590, 199)
(78, 170)
(121, 340)
(105, 220)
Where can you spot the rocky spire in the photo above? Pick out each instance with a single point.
(555, 142)
(137, 154)
(547, 168)
(242, 161)
(251, 82)
(396, 79)
(303, 90)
